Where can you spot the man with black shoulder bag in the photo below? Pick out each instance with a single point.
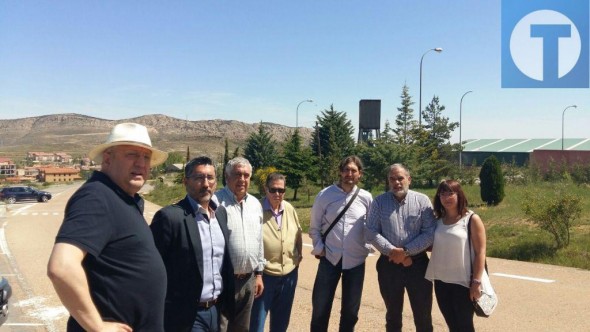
(337, 229)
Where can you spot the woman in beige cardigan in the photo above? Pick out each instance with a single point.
(281, 234)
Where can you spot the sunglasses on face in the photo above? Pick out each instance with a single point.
(276, 190)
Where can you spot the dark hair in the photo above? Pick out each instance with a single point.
(275, 177)
(449, 186)
(189, 168)
(351, 159)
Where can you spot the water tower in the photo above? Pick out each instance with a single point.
(369, 119)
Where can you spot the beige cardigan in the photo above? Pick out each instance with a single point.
(282, 248)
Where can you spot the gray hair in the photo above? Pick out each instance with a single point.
(275, 177)
(400, 166)
(235, 162)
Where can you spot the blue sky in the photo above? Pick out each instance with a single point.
(256, 60)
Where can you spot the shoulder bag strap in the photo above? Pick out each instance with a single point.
(340, 214)
(469, 240)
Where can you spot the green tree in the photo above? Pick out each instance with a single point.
(332, 140)
(343, 131)
(225, 160)
(378, 157)
(433, 144)
(261, 148)
(387, 134)
(404, 121)
(295, 162)
(554, 213)
(491, 181)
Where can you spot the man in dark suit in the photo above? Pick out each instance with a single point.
(193, 245)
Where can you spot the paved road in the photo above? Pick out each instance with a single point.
(533, 297)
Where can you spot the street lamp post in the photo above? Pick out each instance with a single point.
(438, 49)
(562, 127)
(460, 126)
(297, 112)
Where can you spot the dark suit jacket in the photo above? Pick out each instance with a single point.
(177, 238)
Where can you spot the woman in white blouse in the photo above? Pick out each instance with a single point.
(450, 263)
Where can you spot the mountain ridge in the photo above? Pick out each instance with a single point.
(76, 134)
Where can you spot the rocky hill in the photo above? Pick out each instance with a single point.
(76, 134)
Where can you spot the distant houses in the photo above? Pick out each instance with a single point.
(7, 167)
(43, 167)
(57, 157)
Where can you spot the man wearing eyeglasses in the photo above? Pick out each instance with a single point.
(281, 233)
(243, 215)
(194, 247)
(401, 227)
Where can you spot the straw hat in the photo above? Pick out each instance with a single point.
(129, 134)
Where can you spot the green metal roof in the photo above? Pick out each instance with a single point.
(525, 145)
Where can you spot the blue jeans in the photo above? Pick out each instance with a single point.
(326, 281)
(278, 295)
(207, 320)
(394, 279)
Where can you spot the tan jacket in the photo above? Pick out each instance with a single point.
(282, 248)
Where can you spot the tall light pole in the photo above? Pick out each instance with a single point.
(562, 118)
(438, 49)
(297, 112)
(460, 126)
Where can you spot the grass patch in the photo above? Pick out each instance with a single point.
(510, 234)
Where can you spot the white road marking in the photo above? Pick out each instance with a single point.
(23, 324)
(21, 209)
(547, 281)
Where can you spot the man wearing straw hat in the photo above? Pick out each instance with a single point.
(104, 265)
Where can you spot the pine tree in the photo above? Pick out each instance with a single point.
(295, 162)
(343, 131)
(332, 139)
(261, 149)
(404, 120)
(225, 160)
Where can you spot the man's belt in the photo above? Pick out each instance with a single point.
(208, 304)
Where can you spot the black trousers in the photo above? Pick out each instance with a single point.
(455, 305)
(394, 280)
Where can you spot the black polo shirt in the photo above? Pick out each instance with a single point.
(125, 272)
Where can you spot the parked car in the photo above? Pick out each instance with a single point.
(23, 193)
(5, 294)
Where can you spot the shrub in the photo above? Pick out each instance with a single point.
(491, 181)
(554, 213)
(260, 177)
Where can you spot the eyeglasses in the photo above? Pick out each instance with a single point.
(276, 190)
(447, 194)
(202, 178)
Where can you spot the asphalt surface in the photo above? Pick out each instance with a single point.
(532, 297)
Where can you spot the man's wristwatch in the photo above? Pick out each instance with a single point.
(258, 273)
(406, 252)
